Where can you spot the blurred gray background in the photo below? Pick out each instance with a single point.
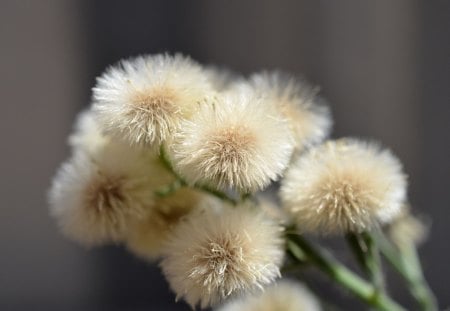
(383, 65)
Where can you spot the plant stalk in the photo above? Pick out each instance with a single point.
(343, 276)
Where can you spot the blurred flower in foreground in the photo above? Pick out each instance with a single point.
(214, 255)
(143, 99)
(147, 236)
(309, 119)
(344, 185)
(282, 296)
(238, 142)
(103, 186)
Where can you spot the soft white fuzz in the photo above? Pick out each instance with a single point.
(96, 194)
(344, 185)
(214, 255)
(282, 296)
(143, 99)
(309, 118)
(238, 142)
(87, 135)
(408, 230)
(147, 236)
(221, 78)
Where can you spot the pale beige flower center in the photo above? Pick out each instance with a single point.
(158, 101)
(103, 195)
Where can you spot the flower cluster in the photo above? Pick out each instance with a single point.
(171, 154)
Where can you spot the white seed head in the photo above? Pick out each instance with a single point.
(309, 118)
(147, 236)
(222, 79)
(87, 135)
(143, 99)
(344, 185)
(103, 186)
(237, 142)
(408, 230)
(282, 296)
(219, 254)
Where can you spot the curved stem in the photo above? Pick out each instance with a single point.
(406, 261)
(170, 189)
(367, 254)
(343, 276)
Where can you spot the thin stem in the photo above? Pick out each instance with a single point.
(181, 182)
(368, 256)
(343, 276)
(406, 261)
(169, 189)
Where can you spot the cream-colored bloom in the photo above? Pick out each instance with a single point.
(408, 230)
(147, 236)
(221, 78)
(282, 296)
(238, 142)
(309, 118)
(143, 99)
(214, 255)
(344, 185)
(87, 135)
(96, 194)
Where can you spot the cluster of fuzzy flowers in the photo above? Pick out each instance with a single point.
(169, 156)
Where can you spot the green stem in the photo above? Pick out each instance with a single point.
(181, 182)
(343, 276)
(367, 254)
(406, 261)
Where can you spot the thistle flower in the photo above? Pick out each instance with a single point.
(214, 255)
(344, 185)
(94, 196)
(282, 296)
(238, 142)
(147, 236)
(143, 99)
(309, 119)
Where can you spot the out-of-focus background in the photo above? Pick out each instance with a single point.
(383, 65)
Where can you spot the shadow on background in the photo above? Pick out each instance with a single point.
(384, 67)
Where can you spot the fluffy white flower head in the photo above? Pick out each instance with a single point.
(87, 135)
(103, 187)
(407, 230)
(147, 236)
(309, 119)
(143, 99)
(282, 296)
(238, 142)
(344, 185)
(215, 255)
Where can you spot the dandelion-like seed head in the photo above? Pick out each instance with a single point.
(282, 296)
(222, 79)
(215, 255)
(142, 100)
(147, 236)
(238, 142)
(103, 187)
(408, 230)
(344, 185)
(309, 118)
